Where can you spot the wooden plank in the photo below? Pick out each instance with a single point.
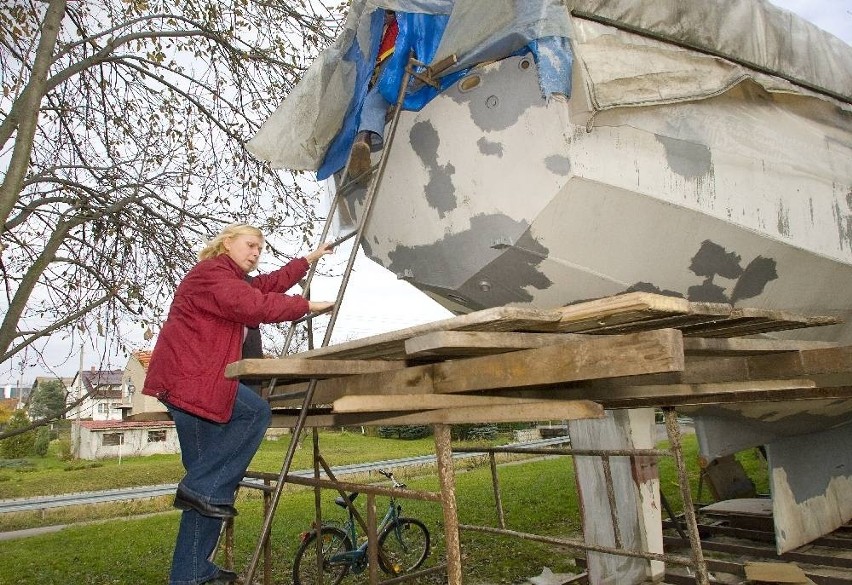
(614, 397)
(292, 368)
(532, 411)
(455, 344)
(626, 518)
(832, 360)
(621, 310)
(528, 411)
(579, 359)
(750, 321)
(740, 347)
(831, 366)
(586, 358)
(409, 402)
(392, 345)
(639, 311)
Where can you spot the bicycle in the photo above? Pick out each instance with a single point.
(403, 545)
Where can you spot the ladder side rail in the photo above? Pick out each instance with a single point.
(300, 423)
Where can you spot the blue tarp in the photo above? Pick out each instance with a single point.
(422, 33)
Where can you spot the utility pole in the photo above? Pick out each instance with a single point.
(77, 399)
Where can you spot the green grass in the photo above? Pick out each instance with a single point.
(539, 496)
(138, 550)
(49, 475)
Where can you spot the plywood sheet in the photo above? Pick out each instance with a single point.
(776, 573)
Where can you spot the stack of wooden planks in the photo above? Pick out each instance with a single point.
(516, 364)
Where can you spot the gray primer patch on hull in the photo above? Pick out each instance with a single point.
(489, 148)
(458, 262)
(812, 461)
(508, 276)
(439, 191)
(713, 260)
(687, 159)
(561, 165)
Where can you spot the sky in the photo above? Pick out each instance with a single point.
(376, 301)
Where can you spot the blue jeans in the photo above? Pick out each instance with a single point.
(373, 114)
(215, 457)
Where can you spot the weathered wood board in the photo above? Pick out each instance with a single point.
(637, 502)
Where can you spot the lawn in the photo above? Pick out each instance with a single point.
(49, 475)
(539, 496)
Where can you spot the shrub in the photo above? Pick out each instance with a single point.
(42, 442)
(63, 449)
(18, 446)
(404, 431)
(474, 432)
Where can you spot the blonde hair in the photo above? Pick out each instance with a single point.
(216, 246)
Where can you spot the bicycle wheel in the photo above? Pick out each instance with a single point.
(404, 545)
(334, 541)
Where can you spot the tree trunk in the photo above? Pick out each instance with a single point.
(28, 114)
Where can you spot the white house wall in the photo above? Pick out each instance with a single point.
(135, 443)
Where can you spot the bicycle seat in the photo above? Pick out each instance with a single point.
(342, 503)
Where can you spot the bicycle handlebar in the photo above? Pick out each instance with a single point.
(389, 475)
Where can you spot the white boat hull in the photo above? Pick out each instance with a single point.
(494, 196)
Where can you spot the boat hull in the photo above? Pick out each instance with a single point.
(494, 196)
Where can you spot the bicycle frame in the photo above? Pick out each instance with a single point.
(356, 557)
(402, 543)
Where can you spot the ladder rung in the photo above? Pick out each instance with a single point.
(310, 316)
(339, 241)
(349, 185)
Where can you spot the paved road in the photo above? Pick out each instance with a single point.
(154, 491)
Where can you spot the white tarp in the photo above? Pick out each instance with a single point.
(626, 69)
(620, 68)
(747, 31)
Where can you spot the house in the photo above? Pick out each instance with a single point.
(97, 439)
(106, 427)
(139, 404)
(102, 393)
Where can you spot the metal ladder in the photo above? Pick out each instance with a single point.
(377, 174)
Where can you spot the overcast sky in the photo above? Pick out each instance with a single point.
(376, 301)
(835, 16)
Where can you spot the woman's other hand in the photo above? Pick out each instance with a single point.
(319, 306)
(319, 253)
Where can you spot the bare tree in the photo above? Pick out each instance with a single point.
(122, 134)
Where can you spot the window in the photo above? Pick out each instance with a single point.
(103, 408)
(156, 436)
(112, 439)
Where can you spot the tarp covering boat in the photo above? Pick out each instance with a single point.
(685, 50)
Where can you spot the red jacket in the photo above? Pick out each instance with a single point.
(204, 332)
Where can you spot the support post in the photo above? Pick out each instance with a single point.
(267, 546)
(317, 506)
(447, 479)
(495, 484)
(701, 575)
(372, 540)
